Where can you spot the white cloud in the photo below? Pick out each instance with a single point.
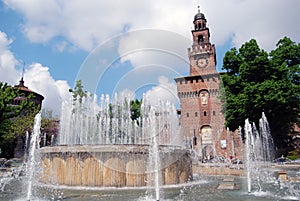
(156, 47)
(37, 77)
(60, 47)
(7, 61)
(88, 23)
(164, 91)
(84, 23)
(267, 21)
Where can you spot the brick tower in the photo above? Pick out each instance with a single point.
(201, 117)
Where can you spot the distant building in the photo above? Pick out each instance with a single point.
(24, 92)
(200, 107)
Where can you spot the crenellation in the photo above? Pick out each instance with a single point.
(200, 106)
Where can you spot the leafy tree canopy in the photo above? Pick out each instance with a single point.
(135, 105)
(257, 81)
(7, 94)
(135, 108)
(78, 91)
(15, 120)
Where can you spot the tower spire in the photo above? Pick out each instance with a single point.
(23, 70)
(21, 83)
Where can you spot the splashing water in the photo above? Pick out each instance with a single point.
(154, 153)
(34, 144)
(109, 122)
(259, 150)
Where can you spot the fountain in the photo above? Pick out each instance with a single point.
(34, 143)
(101, 146)
(111, 157)
(154, 154)
(259, 151)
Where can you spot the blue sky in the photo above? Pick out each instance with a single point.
(115, 46)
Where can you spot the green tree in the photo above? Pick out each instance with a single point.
(135, 109)
(116, 111)
(7, 95)
(15, 120)
(257, 82)
(78, 91)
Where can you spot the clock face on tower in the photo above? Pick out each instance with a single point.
(202, 62)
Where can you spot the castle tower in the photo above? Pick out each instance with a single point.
(202, 55)
(25, 92)
(200, 107)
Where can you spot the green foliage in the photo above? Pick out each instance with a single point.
(78, 91)
(258, 82)
(135, 108)
(294, 154)
(7, 110)
(18, 126)
(15, 120)
(293, 157)
(7, 94)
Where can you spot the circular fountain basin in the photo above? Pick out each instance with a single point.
(113, 165)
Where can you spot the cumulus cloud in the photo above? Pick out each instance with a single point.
(154, 46)
(87, 23)
(84, 23)
(37, 77)
(164, 91)
(7, 61)
(267, 21)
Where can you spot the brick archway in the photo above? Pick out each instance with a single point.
(208, 152)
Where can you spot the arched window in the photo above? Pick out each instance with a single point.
(200, 39)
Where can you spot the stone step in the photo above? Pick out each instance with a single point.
(228, 179)
(227, 186)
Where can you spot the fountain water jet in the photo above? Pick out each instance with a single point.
(154, 152)
(259, 150)
(91, 157)
(99, 145)
(34, 144)
(155, 160)
(248, 131)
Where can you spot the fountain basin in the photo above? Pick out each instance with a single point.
(219, 169)
(112, 165)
